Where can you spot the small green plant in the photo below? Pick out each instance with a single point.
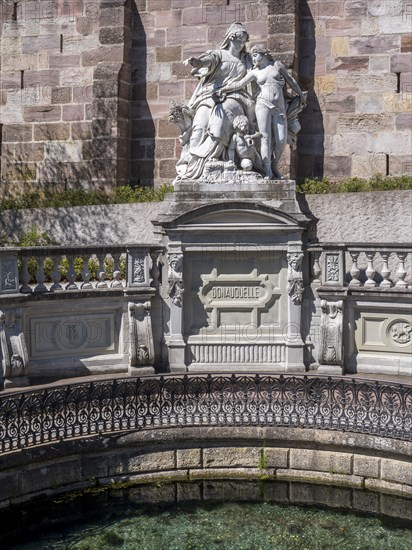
(81, 197)
(353, 185)
(263, 461)
(34, 237)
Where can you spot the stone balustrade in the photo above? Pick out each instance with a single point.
(48, 269)
(365, 266)
(58, 269)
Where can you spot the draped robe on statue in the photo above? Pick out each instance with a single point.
(212, 126)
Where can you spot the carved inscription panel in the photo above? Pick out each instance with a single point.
(78, 335)
(235, 290)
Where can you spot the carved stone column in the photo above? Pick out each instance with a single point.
(175, 292)
(13, 350)
(331, 337)
(141, 338)
(294, 342)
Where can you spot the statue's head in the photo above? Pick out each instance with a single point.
(241, 123)
(259, 52)
(236, 32)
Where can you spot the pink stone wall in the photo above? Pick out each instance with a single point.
(86, 85)
(64, 91)
(355, 59)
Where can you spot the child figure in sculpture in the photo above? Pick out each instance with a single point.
(243, 145)
(270, 110)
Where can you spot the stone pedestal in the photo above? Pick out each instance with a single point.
(235, 282)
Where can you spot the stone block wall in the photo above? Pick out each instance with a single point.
(335, 469)
(355, 60)
(86, 85)
(65, 77)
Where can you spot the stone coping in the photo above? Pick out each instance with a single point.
(38, 384)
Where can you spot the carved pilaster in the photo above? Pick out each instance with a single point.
(175, 278)
(14, 356)
(141, 337)
(295, 280)
(295, 345)
(175, 342)
(155, 271)
(331, 337)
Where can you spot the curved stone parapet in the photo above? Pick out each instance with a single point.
(323, 430)
(32, 418)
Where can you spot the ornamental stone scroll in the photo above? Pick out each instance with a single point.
(13, 349)
(331, 334)
(141, 335)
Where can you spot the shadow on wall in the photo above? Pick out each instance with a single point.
(86, 225)
(312, 135)
(90, 166)
(143, 129)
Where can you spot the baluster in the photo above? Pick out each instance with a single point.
(116, 279)
(71, 275)
(155, 271)
(116, 260)
(56, 275)
(386, 283)
(370, 271)
(40, 277)
(86, 274)
(401, 272)
(354, 270)
(101, 274)
(317, 270)
(25, 276)
(116, 271)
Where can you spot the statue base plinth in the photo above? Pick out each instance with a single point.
(191, 194)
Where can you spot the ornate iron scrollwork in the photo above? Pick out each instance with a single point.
(136, 403)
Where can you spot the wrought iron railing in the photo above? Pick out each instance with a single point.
(31, 418)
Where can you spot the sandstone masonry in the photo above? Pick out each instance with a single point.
(86, 85)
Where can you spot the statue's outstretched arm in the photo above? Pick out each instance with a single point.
(238, 85)
(291, 81)
(199, 62)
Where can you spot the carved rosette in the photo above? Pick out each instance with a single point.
(175, 278)
(400, 332)
(295, 281)
(331, 340)
(14, 356)
(141, 335)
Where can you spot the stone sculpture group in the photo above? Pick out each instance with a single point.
(240, 116)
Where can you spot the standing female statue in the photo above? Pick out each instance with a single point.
(211, 126)
(271, 109)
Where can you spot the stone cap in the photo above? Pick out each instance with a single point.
(191, 194)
